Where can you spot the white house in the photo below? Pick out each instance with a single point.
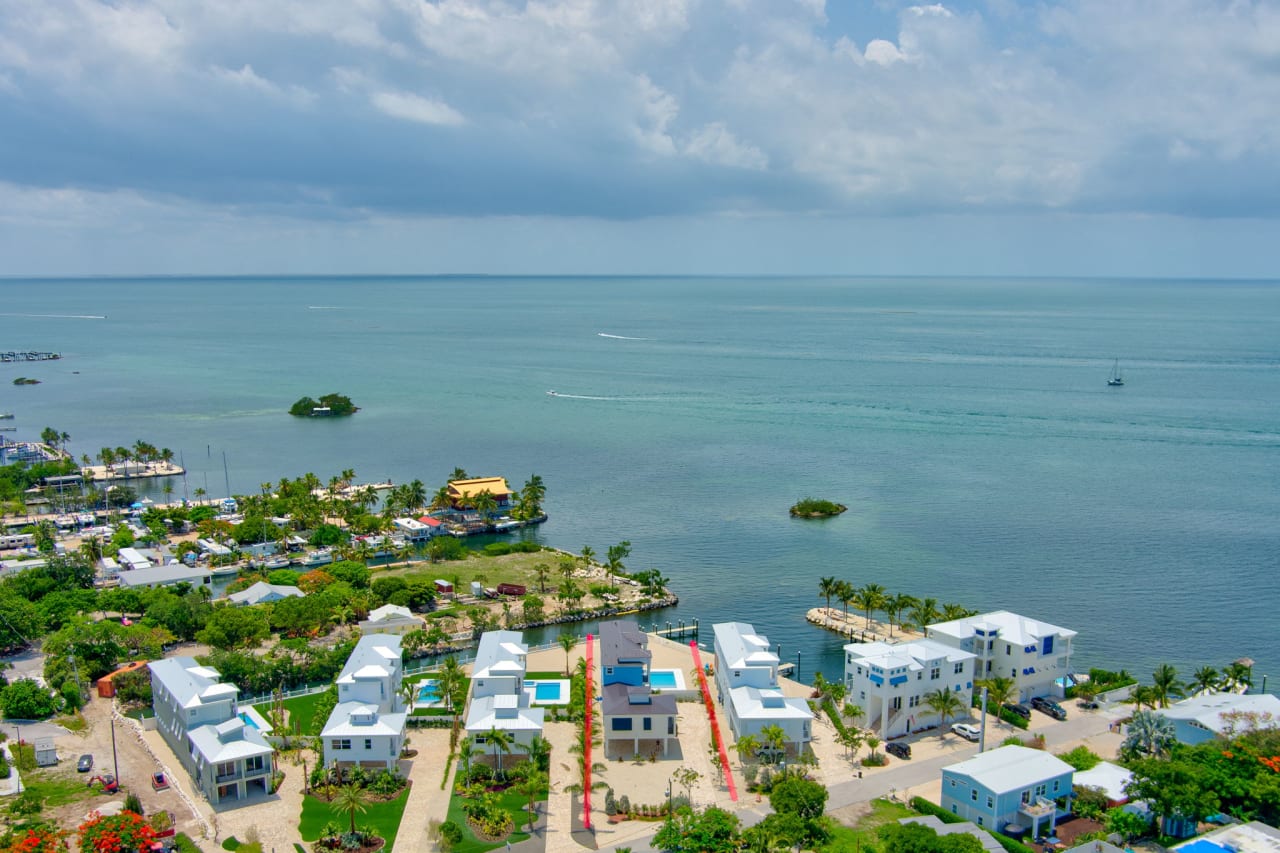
(1009, 785)
(264, 593)
(170, 575)
(392, 619)
(498, 698)
(221, 745)
(366, 727)
(1205, 717)
(132, 558)
(891, 682)
(413, 530)
(1034, 654)
(747, 684)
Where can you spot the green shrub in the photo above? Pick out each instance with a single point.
(1081, 758)
(450, 835)
(183, 844)
(132, 803)
(497, 549)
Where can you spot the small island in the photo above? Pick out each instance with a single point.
(814, 508)
(328, 406)
(23, 380)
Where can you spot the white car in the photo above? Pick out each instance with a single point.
(968, 731)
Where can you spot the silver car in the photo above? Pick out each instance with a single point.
(968, 731)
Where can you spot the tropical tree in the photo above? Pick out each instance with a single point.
(747, 746)
(1166, 684)
(539, 752)
(851, 738)
(567, 642)
(895, 605)
(484, 504)
(1206, 680)
(955, 611)
(1149, 734)
(1000, 690)
(870, 598)
(1236, 676)
(846, 593)
(588, 555)
(1144, 694)
(542, 571)
(775, 741)
(614, 557)
(944, 703)
(531, 497)
(828, 587)
(501, 741)
(466, 751)
(350, 798)
(531, 782)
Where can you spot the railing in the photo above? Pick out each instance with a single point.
(227, 777)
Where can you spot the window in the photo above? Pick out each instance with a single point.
(973, 795)
(988, 666)
(979, 819)
(341, 743)
(1013, 672)
(991, 801)
(897, 703)
(737, 673)
(953, 808)
(368, 743)
(622, 724)
(953, 783)
(959, 667)
(254, 764)
(1040, 790)
(648, 724)
(862, 694)
(608, 670)
(226, 768)
(1055, 786)
(913, 702)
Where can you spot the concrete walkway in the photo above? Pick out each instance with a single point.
(426, 799)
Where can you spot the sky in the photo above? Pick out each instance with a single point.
(851, 137)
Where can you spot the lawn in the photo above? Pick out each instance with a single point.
(302, 709)
(862, 837)
(491, 571)
(383, 818)
(56, 790)
(514, 804)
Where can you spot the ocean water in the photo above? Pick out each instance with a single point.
(966, 423)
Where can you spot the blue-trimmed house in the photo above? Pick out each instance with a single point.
(892, 682)
(1010, 785)
(624, 654)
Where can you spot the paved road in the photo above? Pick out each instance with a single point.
(903, 774)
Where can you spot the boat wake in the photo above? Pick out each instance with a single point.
(61, 316)
(620, 337)
(564, 396)
(326, 308)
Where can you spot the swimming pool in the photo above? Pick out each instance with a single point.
(666, 679)
(248, 721)
(427, 693)
(546, 691)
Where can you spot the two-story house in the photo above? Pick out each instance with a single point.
(892, 682)
(631, 713)
(498, 698)
(366, 727)
(747, 686)
(1034, 654)
(1009, 785)
(392, 619)
(221, 746)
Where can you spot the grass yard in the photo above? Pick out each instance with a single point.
(514, 804)
(300, 708)
(382, 818)
(862, 838)
(57, 791)
(491, 571)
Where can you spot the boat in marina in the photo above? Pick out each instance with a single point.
(225, 571)
(318, 557)
(279, 561)
(1115, 380)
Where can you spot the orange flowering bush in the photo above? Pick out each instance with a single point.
(123, 833)
(39, 841)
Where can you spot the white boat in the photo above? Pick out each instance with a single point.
(319, 557)
(277, 562)
(552, 394)
(225, 571)
(1115, 380)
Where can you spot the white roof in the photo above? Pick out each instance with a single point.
(1012, 628)
(1010, 768)
(340, 724)
(483, 715)
(191, 684)
(742, 647)
(749, 704)
(1108, 778)
(1207, 710)
(499, 653)
(389, 613)
(914, 655)
(228, 741)
(170, 574)
(371, 658)
(261, 592)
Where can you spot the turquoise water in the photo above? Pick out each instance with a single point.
(248, 721)
(662, 679)
(546, 691)
(966, 423)
(428, 693)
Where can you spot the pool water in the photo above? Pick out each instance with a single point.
(428, 694)
(662, 679)
(248, 721)
(546, 691)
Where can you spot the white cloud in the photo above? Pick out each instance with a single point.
(883, 52)
(715, 143)
(417, 108)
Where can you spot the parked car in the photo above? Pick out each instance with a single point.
(1050, 707)
(159, 782)
(85, 764)
(901, 750)
(1019, 710)
(1088, 704)
(968, 731)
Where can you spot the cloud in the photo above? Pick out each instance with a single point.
(417, 108)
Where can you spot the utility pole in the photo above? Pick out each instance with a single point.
(115, 763)
(982, 731)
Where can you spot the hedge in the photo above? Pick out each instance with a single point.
(923, 806)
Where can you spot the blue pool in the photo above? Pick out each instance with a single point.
(427, 694)
(662, 678)
(546, 691)
(248, 721)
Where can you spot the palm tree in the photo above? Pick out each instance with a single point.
(1166, 684)
(846, 593)
(747, 746)
(567, 642)
(1206, 680)
(466, 751)
(897, 603)
(531, 784)
(441, 499)
(1237, 675)
(955, 611)
(925, 613)
(350, 799)
(484, 504)
(828, 587)
(1149, 734)
(870, 598)
(542, 571)
(588, 555)
(775, 740)
(501, 742)
(851, 739)
(539, 752)
(944, 703)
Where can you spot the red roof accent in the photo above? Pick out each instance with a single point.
(429, 521)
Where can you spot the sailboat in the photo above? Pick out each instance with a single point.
(1115, 380)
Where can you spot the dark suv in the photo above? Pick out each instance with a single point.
(901, 750)
(1050, 707)
(1019, 710)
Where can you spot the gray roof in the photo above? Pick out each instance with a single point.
(623, 642)
(164, 575)
(262, 592)
(1207, 709)
(190, 683)
(229, 741)
(618, 702)
(1010, 768)
(966, 827)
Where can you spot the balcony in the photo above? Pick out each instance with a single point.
(1039, 809)
(227, 777)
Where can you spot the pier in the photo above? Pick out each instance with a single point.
(678, 631)
(30, 355)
